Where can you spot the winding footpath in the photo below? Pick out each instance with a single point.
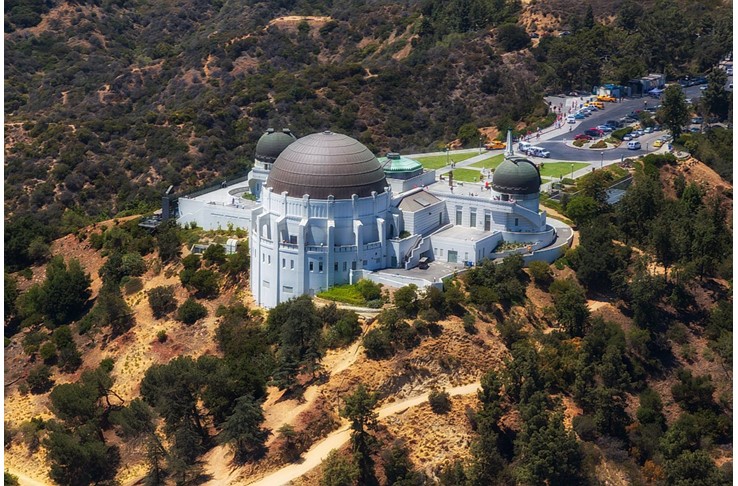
(320, 451)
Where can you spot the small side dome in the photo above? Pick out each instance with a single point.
(272, 143)
(398, 167)
(516, 175)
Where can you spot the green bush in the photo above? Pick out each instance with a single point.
(161, 336)
(48, 352)
(132, 285)
(39, 379)
(440, 401)
(377, 344)
(541, 273)
(621, 132)
(600, 144)
(162, 301)
(191, 311)
(470, 323)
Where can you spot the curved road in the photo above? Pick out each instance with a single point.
(320, 451)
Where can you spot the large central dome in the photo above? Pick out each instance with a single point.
(327, 164)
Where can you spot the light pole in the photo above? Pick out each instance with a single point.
(572, 171)
(447, 157)
(602, 159)
(480, 145)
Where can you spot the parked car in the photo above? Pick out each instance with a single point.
(604, 128)
(579, 116)
(614, 123)
(634, 145)
(539, 152)
(694, 130)
(697, 120)
(658, 143)
(648, 130)
(640, 132)
(583, 136)
(627, 137)
(571, 119)
(594, 132)
(606, 98)
(495, 145)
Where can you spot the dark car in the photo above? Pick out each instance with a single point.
(615, 124)
(583, 136)
(593, 132)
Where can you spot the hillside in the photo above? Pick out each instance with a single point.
(650, 350)
(108, 104)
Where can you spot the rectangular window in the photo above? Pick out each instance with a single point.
(458, 216)
(284, 263)
(269, 258)
(473, 218)
(311, 266)
(292, 264)
(487, 221)
(364, 262)
(466, 256)
(263, 257)
(335, 267)
(286, 289)
(344, 266)
(320, 267)
(516, 221)
(353, 265)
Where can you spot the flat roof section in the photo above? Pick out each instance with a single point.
(227, 196)
(464, 233)
(418, 201)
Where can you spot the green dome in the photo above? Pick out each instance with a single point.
(516, 175)
(394, 163)
(272, 143)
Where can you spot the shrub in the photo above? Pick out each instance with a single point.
(162, 301)
(377, 344)
(133, 264)
(39, 379)
(470, 323)
(585, 427)
(440, 401)
(541, 273)
(191, 311)
(133, 285)
(206, 283)
(214, 254)
(369, 290)
(48, 352)
(161, 336)
(600, 144)
(345, 330)
(621, 132)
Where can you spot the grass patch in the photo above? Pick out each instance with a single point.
(439, 161)
(546, 201)
(348, 294)
(559, 169)
(466, 175)
(490, 163)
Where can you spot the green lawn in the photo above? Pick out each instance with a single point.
(490, 163)
(559, 169)
(439, 161)
(348, 294)
(466, 175)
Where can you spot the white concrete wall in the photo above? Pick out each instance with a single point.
(212, 216)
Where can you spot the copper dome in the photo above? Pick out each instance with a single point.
(327, 164)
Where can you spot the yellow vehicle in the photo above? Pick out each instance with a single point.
(599, 104)
(658, 143)
(495, 145)
(609, 98)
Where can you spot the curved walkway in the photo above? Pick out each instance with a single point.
(320, 451)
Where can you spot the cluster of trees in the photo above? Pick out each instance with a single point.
(596, 52)
(491, 283)
(425, 309)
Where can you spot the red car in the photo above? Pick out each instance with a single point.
(582, 136)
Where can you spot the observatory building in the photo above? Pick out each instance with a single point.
(323, 210)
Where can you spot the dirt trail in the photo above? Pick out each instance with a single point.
(277, 413)
(320, 451)
(23, 479)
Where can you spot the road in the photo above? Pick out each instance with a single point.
(337, 439)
